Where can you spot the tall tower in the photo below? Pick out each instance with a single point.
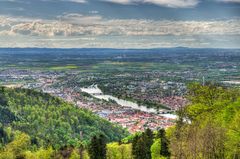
(203, 81)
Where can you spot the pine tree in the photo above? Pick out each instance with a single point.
(135, 146)
(102, 147)
(148, 140)
(164, 143)
(3, 136)
(141, 145)
(97, 147)
(93, 148)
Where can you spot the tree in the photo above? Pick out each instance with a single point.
(17, 147)
(102, 146)
(164, 151)
(208, 126)
(41, 153)
(233, 135)
(119, 151)
(156, 149)
(148, 140)
(135, 145)
(3, 136)
(97, 147)
(141, 145)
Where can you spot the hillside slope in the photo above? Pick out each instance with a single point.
(51, 121)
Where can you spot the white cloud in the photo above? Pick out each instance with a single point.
(70, 25)
(174, 3)
(234, 1)
(76, 30)
(76, 1)
(166, 3)
(119, 41)
(94, 12)
(75, 18)
(121, 1)
(7, 0)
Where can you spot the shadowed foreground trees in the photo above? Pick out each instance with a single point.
(141, 145)
(97, 147)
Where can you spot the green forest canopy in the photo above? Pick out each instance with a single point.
(209, 127)
(49, 120)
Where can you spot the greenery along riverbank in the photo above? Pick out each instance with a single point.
(49, 120)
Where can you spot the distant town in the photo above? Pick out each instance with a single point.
(123, 88)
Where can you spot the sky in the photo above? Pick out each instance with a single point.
(120, 23)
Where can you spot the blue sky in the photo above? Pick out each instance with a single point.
(120, 23)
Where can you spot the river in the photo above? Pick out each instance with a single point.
(97, 93)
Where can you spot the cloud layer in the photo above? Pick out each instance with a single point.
(234, 1)
(77, 30)
(71, 25)
(166, 3)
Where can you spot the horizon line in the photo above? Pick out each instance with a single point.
(63, 48)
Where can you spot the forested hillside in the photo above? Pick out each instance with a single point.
(50, 121)
(39, 126)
